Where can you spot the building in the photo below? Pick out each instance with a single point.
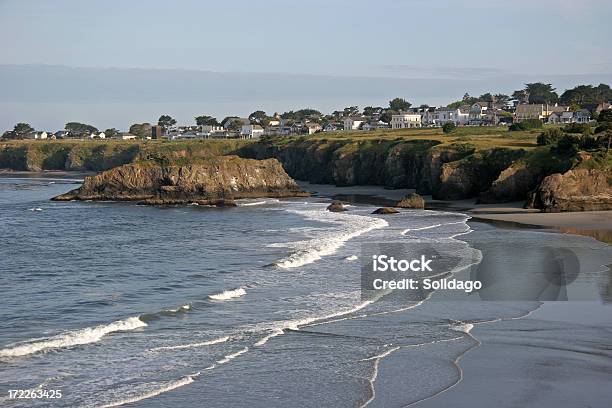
(97, 135)
(37, 135)
(251, 131)
(157, 132)
(458, 116)
(127, 136)
(537, 111)
(312, 128)
(353, 122)
(373, 125)
(580, 116)
(406, 120)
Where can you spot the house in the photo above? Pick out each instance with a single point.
(373, 125)
(536, 111)
(127, 136)
(353, 122)
(251, 131)
(333, 126)
(157, 132)
(312, 128)
(37, 135)
(458, 116)
(61, 134)
(478, 113)
(580, 116)
(406, 120)
(97, 135)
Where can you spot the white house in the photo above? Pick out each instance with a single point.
(37, 135)
(580, 116)
(312, 127)
(458, 116)
(95, 135)
(251, 131)
(406, 120)
(353, 122)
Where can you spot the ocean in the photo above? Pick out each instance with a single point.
(254, 306)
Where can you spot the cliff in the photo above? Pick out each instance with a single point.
(212, 181)
(576, 190)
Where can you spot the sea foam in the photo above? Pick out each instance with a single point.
(229, 294)
(71, 338)
(328, 241)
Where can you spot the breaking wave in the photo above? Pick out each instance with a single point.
(72, 338)
(229, 294)
(192, 345)
(328, 242)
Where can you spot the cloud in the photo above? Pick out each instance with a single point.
(418, 71)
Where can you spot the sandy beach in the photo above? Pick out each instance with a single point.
(596, 224)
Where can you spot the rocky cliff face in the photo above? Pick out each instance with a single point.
(214, 181)
(575, 190)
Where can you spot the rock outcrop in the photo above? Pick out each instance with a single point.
(213, 181)
(513, 184)
(412, 200)
(385, 210)
(336, 206)
(575, 190)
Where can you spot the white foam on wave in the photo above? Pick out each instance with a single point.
(327, 242)
(229, 294)
(37, 209)
(463, 327)
(183, 308)
(232, 356)
(72, 338)
(255, 203)
(351, 258)
(192, 345)
(156, 390)
(406, 231)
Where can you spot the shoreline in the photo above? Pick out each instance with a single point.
(594, 224)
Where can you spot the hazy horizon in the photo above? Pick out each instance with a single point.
(113, 63)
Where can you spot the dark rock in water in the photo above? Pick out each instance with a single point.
(575, 190)
(336, 206)
(386, 210)
(213, 181)
(412, 200)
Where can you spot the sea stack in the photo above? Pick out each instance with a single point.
(211, 181)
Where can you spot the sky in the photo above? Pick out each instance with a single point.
(118, 62)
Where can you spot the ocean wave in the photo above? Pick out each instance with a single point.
(255, 203)
(407, 230)
(192, 345)
(72, 338)
(328, 242)
(229, 294)
(232, 356)
(156, 390)
(462, 327)
(351, 258)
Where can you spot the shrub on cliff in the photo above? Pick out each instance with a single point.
(448, 127)
(526, 125)
(549, 136)
(583, 128)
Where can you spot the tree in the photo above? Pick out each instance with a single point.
(372, 110)
(487, 97)
(522, 96)
(399, 104)
(206, 121)
(22, 129)
(605, 116)
(259, 117)
(501, 98)
(111, 133)
(586, 94)
(539, 92)
(387, 115)
(80, 129)
(166, 121)
(351, 111)
(142, 130)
